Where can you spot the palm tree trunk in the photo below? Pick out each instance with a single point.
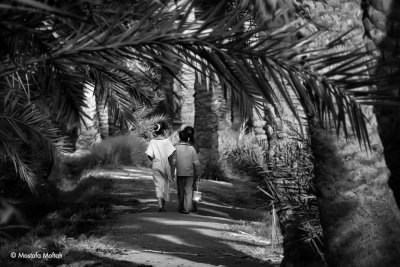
(206, 121)
(382, 27)
(169, 105)
(358, 212)
(89, 126)
(102, 116)
(359, 216)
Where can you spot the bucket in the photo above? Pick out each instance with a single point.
(197, 196)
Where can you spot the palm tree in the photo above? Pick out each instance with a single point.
(48, 51)
(348, 186)
(89, 123)
(351, 183)
(381, 30)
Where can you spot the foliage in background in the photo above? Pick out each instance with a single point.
(50, 50)
(113, 152)
(118, 150)
(247, 156)
(288, 185)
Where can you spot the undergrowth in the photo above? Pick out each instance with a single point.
(214, 171)
(247, 157)
(68, 229)
(118, 150)
(111, 153)
(287, 184)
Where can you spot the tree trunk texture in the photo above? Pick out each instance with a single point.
(358, 211)
(237, 117)
(169, 104)
(102, 116)
(382, 24)
(186, 95)
(88, 132)
(184, 90)
(206, 121)
(359, 216)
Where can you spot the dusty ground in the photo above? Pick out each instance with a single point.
(213, 236)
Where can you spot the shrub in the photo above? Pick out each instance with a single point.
(288, 184)
(213, 171)
(247, 157)
(118, 150)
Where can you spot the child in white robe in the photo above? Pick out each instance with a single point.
(162, 154)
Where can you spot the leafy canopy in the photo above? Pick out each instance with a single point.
(50, 49)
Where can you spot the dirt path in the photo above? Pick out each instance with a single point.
(209, 237)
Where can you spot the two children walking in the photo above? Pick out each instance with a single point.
(166, 158)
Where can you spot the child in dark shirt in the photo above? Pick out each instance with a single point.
(192, 142)
(187, 164)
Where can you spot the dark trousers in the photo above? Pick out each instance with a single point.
(194, 203)
(185, 192)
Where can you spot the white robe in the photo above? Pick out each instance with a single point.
(159, 150)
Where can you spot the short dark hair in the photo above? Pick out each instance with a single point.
(190, 132)
(160, 127)
(189, 129)
(183, 136)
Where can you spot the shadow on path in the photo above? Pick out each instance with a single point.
(169, 238)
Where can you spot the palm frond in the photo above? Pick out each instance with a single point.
(165, 36)
(10, 151)
(47, 49)
(146, 118)
(21, 123)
